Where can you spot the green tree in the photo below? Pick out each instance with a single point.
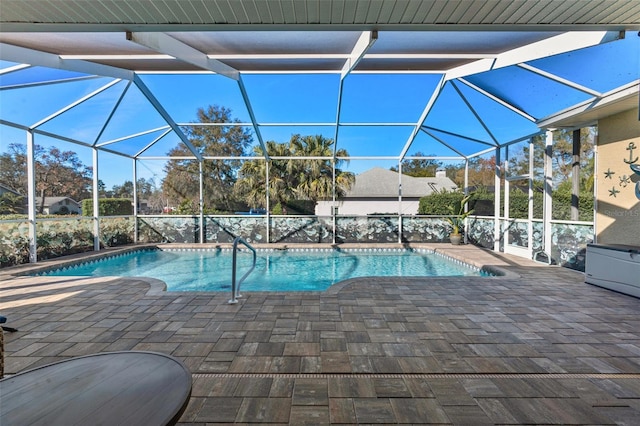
(122, 191)
(291, 178)
(13, 167)
(562, 157)
(57, 173)
(182, 176)
(61, 173)
(481, 172)
(11, 203)
(419, 167)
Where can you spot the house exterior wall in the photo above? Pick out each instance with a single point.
(364, 206)
(618, 187)
(54, 208)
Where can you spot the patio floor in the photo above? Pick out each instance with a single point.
(537, 346)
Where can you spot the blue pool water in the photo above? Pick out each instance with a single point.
(276, 270)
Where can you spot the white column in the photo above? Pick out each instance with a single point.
(548, 187)
(31, 194)
(496, 200)
(268, 201)
(466, 192)
(201, 202)
(333, 203)
(595, 187)
(507, 198)
(96, 203)
(135, 200)
(399, 201)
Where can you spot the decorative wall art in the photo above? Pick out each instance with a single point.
(625, 181)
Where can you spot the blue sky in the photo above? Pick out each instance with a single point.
(311, 98)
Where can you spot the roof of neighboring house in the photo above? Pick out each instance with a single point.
(48, 201)
(379, 182)
(6, 188)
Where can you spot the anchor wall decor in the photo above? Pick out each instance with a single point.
(625, 180)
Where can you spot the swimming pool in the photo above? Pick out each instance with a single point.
(276, 270)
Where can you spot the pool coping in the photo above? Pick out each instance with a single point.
(159, 287)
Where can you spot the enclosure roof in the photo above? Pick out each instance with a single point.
(468, 76)
(624, 99)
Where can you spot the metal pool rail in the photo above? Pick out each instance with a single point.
(235, 287)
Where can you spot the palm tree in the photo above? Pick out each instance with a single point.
(309, 177)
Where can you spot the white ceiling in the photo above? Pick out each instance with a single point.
(160, 15)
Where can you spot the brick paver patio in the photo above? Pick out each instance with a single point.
(537, 346)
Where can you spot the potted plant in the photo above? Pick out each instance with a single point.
(456, 219)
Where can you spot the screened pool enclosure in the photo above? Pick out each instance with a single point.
(204, 123)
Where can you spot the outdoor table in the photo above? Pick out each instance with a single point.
(129, 388)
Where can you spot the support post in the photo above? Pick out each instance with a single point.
(399, 201)
(575, 177)
(201, 202)
(135, 200)
(530, 181)
(333, 197)
(496, 207)
(96, 202)
(507, 199)
(548, 187)
(267, 203)
(31, 194)
(466, 192)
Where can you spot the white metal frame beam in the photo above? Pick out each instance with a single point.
(562, 43)
(9, 52)
(364, 43)
(475, 114)
(76, 103)
(560, 80)
(165, 115)
(165, 44)
(498, 100)
(458, 135)
(423, 115)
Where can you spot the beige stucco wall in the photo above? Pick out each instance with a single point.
(618, 187)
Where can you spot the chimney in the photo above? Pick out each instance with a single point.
(441, 173)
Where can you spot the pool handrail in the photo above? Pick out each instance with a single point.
(235, 286)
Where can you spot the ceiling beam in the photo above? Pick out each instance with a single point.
(9, 52)
(76, 103)
(498, 100)
(444, 143)
(457, 135)
(423, 116)
(165, 116)
(628, 92)
(162, 43)
(364, 43)
(560, 80)
(165, 44)
(14, 68)
(555, 45)
(475, 113)
(252, 115)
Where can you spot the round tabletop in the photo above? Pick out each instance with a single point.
(129, 387)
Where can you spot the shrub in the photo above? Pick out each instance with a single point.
(277, 209)
(108, 207)
(482, 203)
(440, 203)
